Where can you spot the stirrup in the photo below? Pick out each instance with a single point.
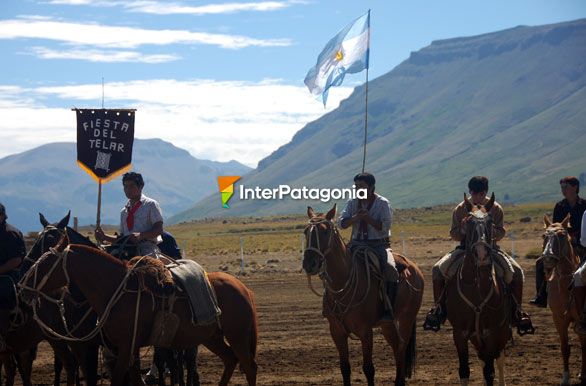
(433, 320)
(524, 324)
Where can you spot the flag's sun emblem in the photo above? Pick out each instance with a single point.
(339, 55)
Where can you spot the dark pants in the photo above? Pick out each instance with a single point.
(8, 291)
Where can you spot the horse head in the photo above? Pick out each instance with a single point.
(48, 237)
(47, 274)
(479, 241)
(557, 247)
(318, 240)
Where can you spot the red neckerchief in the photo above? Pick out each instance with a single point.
(363, 227)
(130, 218)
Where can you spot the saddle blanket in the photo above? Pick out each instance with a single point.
(194, 281)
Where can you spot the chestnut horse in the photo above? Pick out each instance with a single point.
(560, 263)
(352, 291)
(126, 318)
(478, 307)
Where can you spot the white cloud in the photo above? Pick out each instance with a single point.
(106, 36)
(213, 120)
(106, 56)
(168, 8)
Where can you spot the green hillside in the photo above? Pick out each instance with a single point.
(508, 105)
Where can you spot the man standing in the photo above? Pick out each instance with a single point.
(371, 219)
(575, 206)
(12, 251)
(444, 269)
(141, 218)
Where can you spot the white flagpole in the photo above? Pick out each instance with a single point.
(366, 100)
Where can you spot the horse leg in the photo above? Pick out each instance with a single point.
(57, 369)
(392, 337)
(367, 365)
(341, 341)
(582, 375)
(86, 355)
(160, 357)
(562, 328)
(24, 362)
(10, 369)
(488, 371)
(190, 358)
(66, 358)
(225, 353)
(500, 362)
(461, 343)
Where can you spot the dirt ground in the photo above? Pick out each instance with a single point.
(295, 347)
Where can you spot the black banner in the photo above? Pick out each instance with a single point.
(104, 141)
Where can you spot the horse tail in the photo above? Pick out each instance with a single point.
(254, 330)
(411, 354)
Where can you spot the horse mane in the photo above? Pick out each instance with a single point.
(90, 250)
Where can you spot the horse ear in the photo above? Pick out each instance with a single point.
(546, 221)
(43, 220)
(331, 214)
(566, 222)
(64, 242)
(310, 212)
(64, 221)
(490, 203)
(467, 203)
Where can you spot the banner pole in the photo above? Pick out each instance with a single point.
(99, 202)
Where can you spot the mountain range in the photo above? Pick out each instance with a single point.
(47, 179)
(509, 105)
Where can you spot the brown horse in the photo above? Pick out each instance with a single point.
(127, 318)
(352, 295)
(560, 262)
(477, 305)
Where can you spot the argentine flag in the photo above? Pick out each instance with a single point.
(347, 52)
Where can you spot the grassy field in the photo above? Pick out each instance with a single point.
(279, 234)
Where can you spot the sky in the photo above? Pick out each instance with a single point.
(223, 80)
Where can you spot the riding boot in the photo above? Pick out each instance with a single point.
(520, 318)
(540, 299)
(579, 298)
(437, 315)
(391, 290)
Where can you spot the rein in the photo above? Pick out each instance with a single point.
(62, 257)
(350, 287)
(483, 238)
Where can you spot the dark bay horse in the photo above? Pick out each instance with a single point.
(77, 311)
(560, 263)
(25, 334)
(353, 292)
(477, 305)
(126, 317)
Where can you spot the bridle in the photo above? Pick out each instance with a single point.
(482, 233)
(42, 238)
(312, 229)
(552, 238)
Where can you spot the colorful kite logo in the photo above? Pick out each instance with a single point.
(226, 184)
